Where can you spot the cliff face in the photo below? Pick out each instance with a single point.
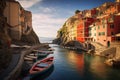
(15, 28)
(4, 37)
(19, 24)
(5, 55)
(63, 36)
(30, 38)
(28, 35)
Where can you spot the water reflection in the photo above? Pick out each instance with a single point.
(97, 67)
(77, 60)
(71, 65)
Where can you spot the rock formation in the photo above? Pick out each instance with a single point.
(63, 35)
(31, 38)
(4, 39)
(20, 24)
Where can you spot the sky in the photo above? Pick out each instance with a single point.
(48, 16)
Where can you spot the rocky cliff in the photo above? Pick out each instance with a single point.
(5, 55)
(63, 36)
(31, 38)
(4, 37)
(19, 24)
(22, 33)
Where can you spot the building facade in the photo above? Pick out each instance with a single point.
(80, 31)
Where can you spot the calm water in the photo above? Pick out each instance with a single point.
(45, 39)
(71, 65)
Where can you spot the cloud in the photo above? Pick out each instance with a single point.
(46, 20)
(28, 3)
(47, 10)
(45, 25)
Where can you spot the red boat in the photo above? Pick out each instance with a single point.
(41, 66)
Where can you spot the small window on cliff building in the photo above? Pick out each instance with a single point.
(98, 27)
(95, 28)
(112, 26)
(94, 34)
(103, 33)
(112, 33)
(99, 34)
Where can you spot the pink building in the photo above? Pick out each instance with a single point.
(107, 29)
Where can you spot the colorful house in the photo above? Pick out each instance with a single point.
(80, 31)
(102, 30)
(83, 29)
(93, 32)
(108, 27)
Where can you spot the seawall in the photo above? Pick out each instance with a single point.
(17, 70)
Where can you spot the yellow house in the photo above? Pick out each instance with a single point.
(68, 24)
(75, 29)
(12, 13)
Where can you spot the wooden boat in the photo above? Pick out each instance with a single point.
(41, 66)
(51, 49)
(47, 52)
(41, 55)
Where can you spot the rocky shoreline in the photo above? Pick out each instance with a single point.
(93, 48)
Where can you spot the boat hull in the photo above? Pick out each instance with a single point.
(39, 73)
(41, 67)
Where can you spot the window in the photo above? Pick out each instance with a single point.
(90, 34)
(95, 28)
(111, 26)
(103, 25)
(103, 21)
(103, 33)
(99, 34)
(98, 27)
(94, 34)
(112, 33)
(89, 28)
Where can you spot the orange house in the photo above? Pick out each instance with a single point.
(83, 29)
(80, 31)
